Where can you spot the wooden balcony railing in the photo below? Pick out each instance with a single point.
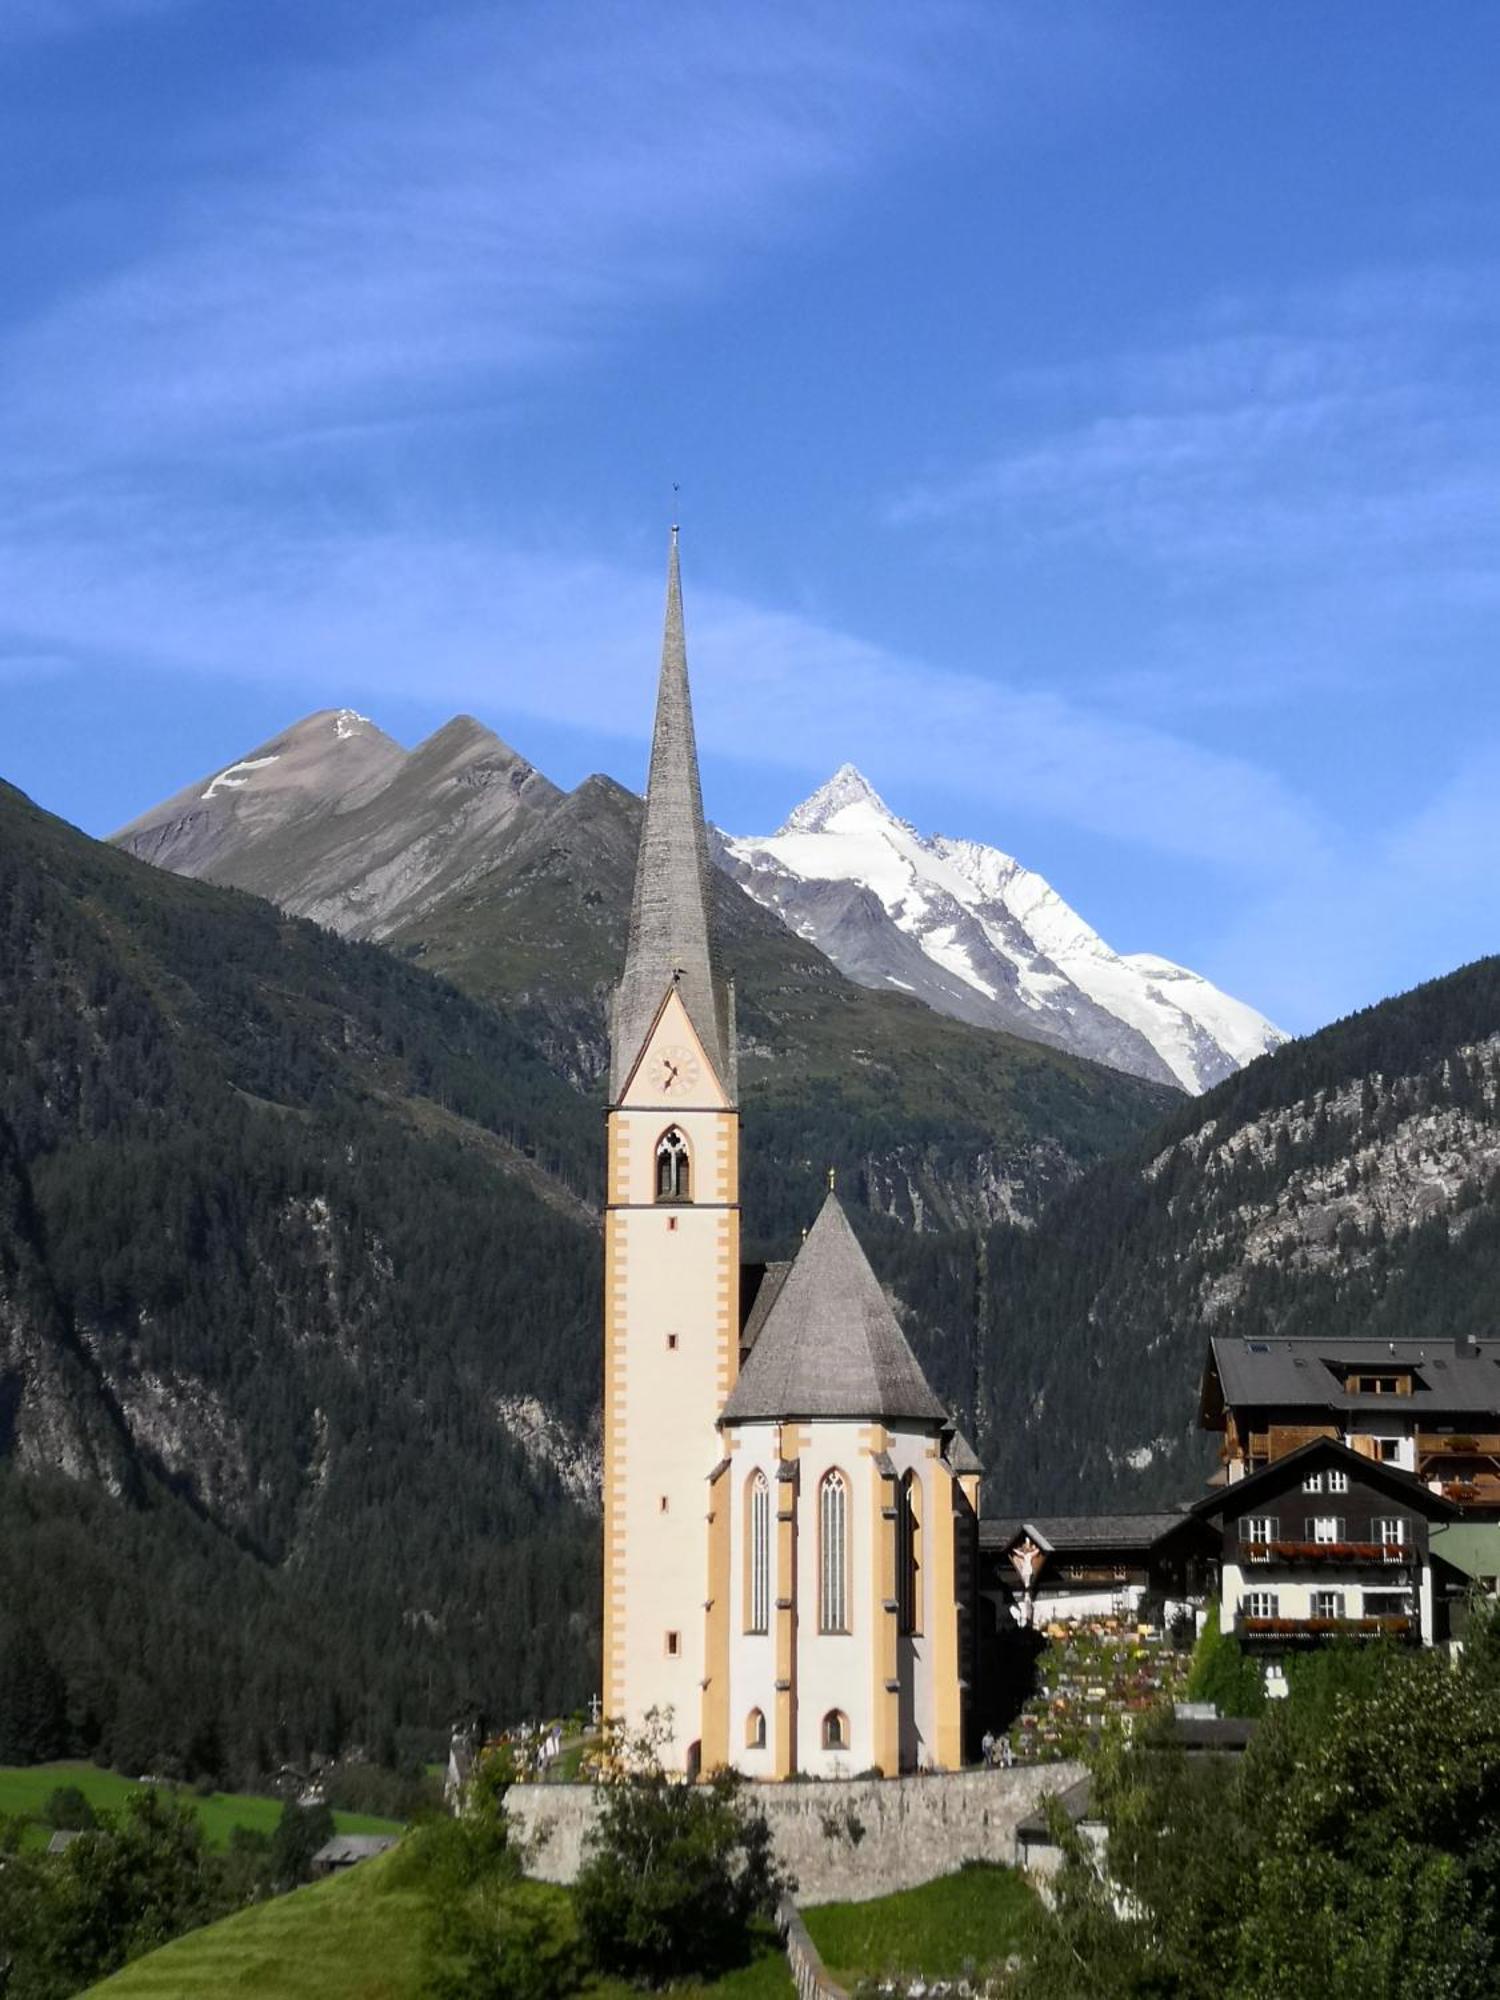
(1458, 1444)
(1336, 1552)
(1393, 1626)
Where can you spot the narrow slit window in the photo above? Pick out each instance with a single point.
(833, 1551)
(758, 1553)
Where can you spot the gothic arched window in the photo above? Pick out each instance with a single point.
(909, 1554)
(755, 1730)
(674, 1176)
(758, 1554)
(835, 1730)
(833, 1554)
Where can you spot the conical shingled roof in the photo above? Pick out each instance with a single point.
(830, 1345)
(669, 923)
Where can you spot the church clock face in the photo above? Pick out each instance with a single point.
(674, 1071)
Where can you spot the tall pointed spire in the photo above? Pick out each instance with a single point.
(669, 918)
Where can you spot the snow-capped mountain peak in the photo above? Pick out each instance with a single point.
(847, 787)
(968, 929)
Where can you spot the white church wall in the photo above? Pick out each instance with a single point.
(752, 1655)
(835, 1670)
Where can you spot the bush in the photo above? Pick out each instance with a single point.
(68, 1809)
(488, 1934)
(1222, 1674)
(676, 1873)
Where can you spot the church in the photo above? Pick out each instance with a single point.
(790, 1514)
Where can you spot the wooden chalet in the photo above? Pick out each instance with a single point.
(1429, 1408)
(1325, 1542)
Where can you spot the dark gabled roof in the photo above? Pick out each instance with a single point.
(1370, 1471)
(1302, 1373)
(347, 1847)
(830, 1345)
(1061, 1534)
(1076, 1802)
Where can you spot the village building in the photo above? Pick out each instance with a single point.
(1326, 1542)
(790, 1514)
(1429, 1408)
(1051, 1569)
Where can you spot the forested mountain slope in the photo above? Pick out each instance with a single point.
(1347, 1183)
(288, 1231)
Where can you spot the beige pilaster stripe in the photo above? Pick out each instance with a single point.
(948, 1747)
(784, 1499)
(885, 1695)
(715, 1737)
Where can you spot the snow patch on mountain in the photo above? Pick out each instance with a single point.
(238, 774)
(1000, 945)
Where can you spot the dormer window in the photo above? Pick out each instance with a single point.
(674, 1174)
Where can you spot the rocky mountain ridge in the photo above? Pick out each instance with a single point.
(333, 820)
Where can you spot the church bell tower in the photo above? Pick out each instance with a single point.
(671, 1245)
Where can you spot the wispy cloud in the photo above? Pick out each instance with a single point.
(1347, 923)
(44, 20)
(509, 187)
(1348, 427)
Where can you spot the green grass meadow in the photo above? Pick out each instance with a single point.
(357, 1936)
(25, 1790)
(965, 1923)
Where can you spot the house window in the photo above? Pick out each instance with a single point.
(909, 1554)
(835, 1730)
(755, 1730)
(671, 1343)
(1328, 1604)
(664, 1504)
(1313, 1483)
(758, 1554)
(1338, 1482)
(1380, 1385)
(833, 1554)
(1259, 1529)
(1325, 1528)
(674, 1180)
(1387, 1450)
(674, 1645)
(1262, 1604)
(1390, 1531)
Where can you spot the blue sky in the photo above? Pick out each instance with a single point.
(1087, 421)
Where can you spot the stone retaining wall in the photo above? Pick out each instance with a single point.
(844, 1841)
